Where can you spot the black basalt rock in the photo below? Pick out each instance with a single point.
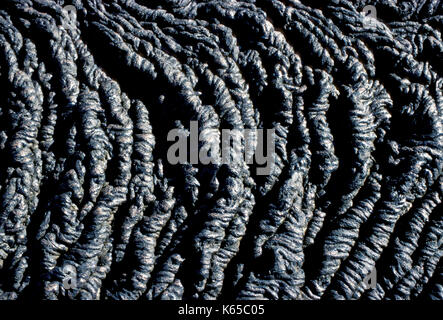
(91, 208)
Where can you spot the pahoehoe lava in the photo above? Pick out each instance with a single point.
(87, 97)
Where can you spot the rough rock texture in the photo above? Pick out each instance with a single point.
(87, 100)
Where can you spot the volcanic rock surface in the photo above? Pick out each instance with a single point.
(89, 90)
